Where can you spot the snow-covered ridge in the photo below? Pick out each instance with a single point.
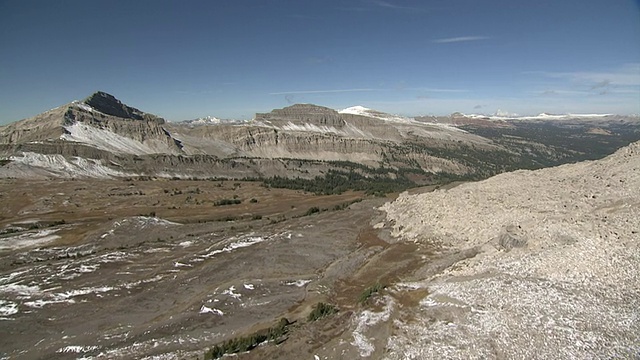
(363, 111)
(542, 116)
(211, 120)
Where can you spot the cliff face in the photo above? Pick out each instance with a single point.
(313, 132)
(43, 127)
(101, 127)
(303, 114)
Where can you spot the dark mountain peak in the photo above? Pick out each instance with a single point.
(108, 104)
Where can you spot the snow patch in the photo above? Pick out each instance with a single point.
(77, 349)
(501, 115)
(22, 291)
(144, 221)
(236, 245)
(363, 111)
(298, 283)
(205, 310)
(72, 167)
(231, 292)
(249, 286)
(365, 320)
(311, 128)
(65, 297)
(28, 239)
(8, 308)
(84, 106)
(88, 268)
(105, 140)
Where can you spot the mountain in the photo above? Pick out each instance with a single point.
(209, 120)
(100, 121)
(532, 264)
(100, 136)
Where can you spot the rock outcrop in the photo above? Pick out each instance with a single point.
(108, 104)
(303, 114)
(558, 269)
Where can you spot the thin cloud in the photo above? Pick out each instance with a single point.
(626, 75)
(374, 5)
(602, 84)
(460, 39)
(438, 90)
(322, 91)
(389, 5)
(557, 92)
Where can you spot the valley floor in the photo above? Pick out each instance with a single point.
(122, 269)
(166, 269)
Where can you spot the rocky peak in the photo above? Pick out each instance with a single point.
(304, 114)
(108, 104)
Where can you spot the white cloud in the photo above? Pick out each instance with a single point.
(460, 39)
(625, 75)
(332, 91)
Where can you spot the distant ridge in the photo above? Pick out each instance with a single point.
(299, 141)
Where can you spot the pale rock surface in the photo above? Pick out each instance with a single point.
(557, 275)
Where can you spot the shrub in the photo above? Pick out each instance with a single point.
(227, 202)
(246, 343)
(321, 310)
(369, 292)
(312, 211)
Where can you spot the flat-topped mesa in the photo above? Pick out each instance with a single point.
(108, 104)
(303, 114)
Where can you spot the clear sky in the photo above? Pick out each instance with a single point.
(233, 58)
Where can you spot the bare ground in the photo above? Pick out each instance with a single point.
(105, 279)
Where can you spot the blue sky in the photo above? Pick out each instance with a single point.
(231, 59)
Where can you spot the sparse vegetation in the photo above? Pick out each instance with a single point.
(369, 292)
(223, 202)
(345, 205)
(276, 333)
(312, 210)
(41, 225)
(337, 182)
(321, 310)
(228, 218)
